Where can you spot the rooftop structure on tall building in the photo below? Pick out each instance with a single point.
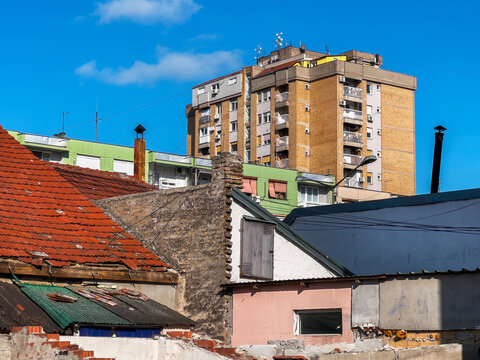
(316, 113)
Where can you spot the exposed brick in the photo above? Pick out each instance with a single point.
(206, 344)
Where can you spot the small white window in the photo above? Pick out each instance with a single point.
(233, 126)
(307, 108)
(91, 162)
(234, 105)
(275, 58)
(219, 109)
(267, 117)
(369, 133)
(379, 177)
(232, 81)
(369, 110)
(215, 88)
(201, 90)
(204, 131)
(121, 166)
(369, 88)
(259, 116)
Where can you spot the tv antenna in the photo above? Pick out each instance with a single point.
(63, 120)
(258, 50)
(279, 40)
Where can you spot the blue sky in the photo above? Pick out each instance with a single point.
(123, 54)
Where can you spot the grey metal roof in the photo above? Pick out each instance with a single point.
(352, 278)
(16, 309)
(139, 312)
(385, 203)
(290, 234)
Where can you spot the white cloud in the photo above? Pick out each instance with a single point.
(204, 37)
(170, 66)
(146, 11)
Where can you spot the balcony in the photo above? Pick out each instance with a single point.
(282, 163)
(353, 114)
(353, 92)
(353, 138)
(204, 119)
(281, 99)
(204, 141)
(282, 121)
(352, 160)
(281, 144)
(356, 182)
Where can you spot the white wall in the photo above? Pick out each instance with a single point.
(144, 349)
(289, 261)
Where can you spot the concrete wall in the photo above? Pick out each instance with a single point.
(383, 240)
(289, 262)
(268, 312)
(144, 349)
(427, 303)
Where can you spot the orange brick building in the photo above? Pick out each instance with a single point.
(315, 113)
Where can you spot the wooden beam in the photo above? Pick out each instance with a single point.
(88, 273)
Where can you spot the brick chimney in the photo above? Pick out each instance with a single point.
(229, 168)
(139, 154)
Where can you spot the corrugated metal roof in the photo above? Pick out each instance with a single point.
(64, 314)
(16, 309)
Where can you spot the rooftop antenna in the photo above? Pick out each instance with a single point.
(63, 120)
(96, 120)
(258, 50)
(279, 40)
(326, 50)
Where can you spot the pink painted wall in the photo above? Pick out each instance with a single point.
(268, 313)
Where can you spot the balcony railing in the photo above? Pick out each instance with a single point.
(282, 97)
(204, 139)
(352, 159)
(353, 137)
(283, 163)
(282, 119)
(204, 119)
(353, 114)
(282, 143)
(353, 91)
(356, 182)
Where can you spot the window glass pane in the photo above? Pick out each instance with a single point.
(320, 322)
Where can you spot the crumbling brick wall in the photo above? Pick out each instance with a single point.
(190, 229)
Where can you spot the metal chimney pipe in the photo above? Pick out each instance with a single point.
(437, 158)
(139, 154)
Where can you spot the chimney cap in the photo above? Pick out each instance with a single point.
(140, 130)
(440, 128)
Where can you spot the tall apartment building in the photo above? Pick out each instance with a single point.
(315, 113)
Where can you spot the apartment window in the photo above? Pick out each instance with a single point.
(219, 109)
(259, 117)
(201, 90)
(204, 131)
(369, 88)
(266, 139)
(247, 155)
(219, 149)
(309, 195)
(122, 166)
(259, 160)
(267, 117)
(90, 162)
(259, 140)
(266, 160)
(232, 81)
(256, 258)
(45, 156)
(233, 125)
(233, 147)
(266, 95)
(234, 105)
(215, 88)
(247, 133)
(318, 322)
(277, 189)
(369, 110)
(250, 186)
(369, 132)
(275, 58)
(370, 178)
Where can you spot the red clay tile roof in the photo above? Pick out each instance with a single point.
(97, 184)
(276, 68)
(43, 218)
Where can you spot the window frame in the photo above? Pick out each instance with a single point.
(233, 125)
(234, 105)
(297, 323)
(232, 81)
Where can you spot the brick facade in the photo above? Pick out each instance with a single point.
(191, 228)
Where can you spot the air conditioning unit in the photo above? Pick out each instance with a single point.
(217, 116)
(215, 91)
(373, 60)
(361, 179)
(369, 118)
(211, 128)
(180, 171)
(341, 79)
(343, 103)
(307, 130)
(218, 137)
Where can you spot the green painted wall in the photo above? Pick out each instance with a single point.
(108, 153)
